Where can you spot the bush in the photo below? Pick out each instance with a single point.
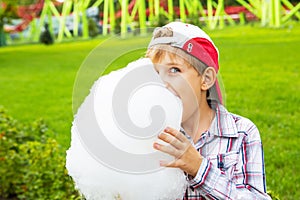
(32, 164)
(93, 29)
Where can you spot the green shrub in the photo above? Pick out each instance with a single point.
(93, 29)
(32, 164)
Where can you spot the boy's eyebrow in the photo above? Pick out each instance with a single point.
(171, 63)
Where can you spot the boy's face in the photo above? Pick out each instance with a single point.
(184, 81)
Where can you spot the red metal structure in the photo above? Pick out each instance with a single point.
(27, 13)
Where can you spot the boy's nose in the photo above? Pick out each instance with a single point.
(170, 88)
(160, 74)
(167, 84)
(163, 76)
(164, 79)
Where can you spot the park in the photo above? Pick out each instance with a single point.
(258, 43)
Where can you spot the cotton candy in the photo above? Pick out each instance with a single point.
(98, 133)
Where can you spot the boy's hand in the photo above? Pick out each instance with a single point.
(187, 158)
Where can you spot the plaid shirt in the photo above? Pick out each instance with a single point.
(233, 161)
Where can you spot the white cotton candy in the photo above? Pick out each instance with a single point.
(93, 176)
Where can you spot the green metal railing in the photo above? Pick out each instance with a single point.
(272, 13)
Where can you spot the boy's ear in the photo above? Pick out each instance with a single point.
(209, 77)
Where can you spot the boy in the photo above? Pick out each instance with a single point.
(225, 160)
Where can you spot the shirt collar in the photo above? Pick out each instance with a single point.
(223, 124)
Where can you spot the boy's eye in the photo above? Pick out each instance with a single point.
(174, 70)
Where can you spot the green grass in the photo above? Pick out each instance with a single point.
(37, 82)
(259, 67)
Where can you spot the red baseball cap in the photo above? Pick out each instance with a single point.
(197, 43)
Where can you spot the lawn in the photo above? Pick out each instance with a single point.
(259, 67)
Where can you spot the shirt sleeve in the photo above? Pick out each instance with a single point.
(244, 180)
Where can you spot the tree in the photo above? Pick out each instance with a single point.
(8, 10)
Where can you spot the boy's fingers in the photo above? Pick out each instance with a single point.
(171, 140)
(164, 163)
(175, 133)
(168, 149)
